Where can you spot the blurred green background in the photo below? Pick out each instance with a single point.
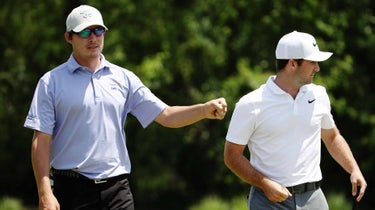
(188, 52)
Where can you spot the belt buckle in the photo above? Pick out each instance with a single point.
(297, 189)
(100, 181)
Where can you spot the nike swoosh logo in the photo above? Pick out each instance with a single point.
(310, 101)
(314, 44)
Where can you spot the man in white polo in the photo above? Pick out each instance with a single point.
(282, 123)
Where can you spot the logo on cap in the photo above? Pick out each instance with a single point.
(314, 44)
(86, 14)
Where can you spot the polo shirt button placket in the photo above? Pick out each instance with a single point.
(96, 88)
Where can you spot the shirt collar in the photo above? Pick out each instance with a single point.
(73, 65)
(273, 87)
(277, 90)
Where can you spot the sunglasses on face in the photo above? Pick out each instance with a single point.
(85, 33)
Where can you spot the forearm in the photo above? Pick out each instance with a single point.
(180, 116)
(244, 170)
(340, 151)
(40, 157)
(241, 167)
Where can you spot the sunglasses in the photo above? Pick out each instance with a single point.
(85, 33)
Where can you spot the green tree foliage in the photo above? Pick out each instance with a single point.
(188, 52)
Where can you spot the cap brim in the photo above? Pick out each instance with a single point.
(82, 26)
(319, 56)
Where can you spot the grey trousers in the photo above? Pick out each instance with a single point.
(310, 200)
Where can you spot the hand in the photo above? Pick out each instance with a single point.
(358, 182)
(216, 109)
(48, 202)
(276, 192)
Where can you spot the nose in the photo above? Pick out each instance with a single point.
(317, 68)
(92, 38)
(92, 35)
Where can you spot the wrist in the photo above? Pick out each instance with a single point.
(264, 183)
(44, 187)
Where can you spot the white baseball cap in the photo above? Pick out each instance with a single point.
(82, 17)
(299, 45)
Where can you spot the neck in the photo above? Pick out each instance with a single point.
(287, 84)
(91, 63)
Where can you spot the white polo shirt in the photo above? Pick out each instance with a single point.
(283, 134)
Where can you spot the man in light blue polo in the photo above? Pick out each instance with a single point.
(282, 124)
(78, 113)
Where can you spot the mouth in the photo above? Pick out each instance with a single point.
(92, 47)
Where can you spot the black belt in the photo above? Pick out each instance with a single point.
(301, 188)
(75, 175)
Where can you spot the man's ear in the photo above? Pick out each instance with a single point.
(68, 37)
(292, 63)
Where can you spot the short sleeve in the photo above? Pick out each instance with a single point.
(327, 120)
(146, 106)
(242, 123)
(41, 115)
(142, 103)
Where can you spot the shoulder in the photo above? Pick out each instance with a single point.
(250, 102)
(316, 89)
(118, 70)
(318, 92)
(253, 96)
(57, 72)
(125, 77)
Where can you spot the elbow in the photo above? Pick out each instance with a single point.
(233, 154)
(167, 119)
(168, 122)
(228, 160)
(172, 125)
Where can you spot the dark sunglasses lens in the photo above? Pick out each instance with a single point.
(99, 31)
(85, 33)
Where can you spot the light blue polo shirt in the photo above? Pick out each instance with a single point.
(85, 113)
